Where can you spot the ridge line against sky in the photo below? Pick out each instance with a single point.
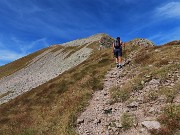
(29, 25)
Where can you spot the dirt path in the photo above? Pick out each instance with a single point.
(94, 120)
(100, 114)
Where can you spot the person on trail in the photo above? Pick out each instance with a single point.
(117, 50)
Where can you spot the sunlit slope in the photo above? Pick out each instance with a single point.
(52, 108)
(35, 69)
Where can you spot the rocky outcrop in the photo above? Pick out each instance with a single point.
(106, 41)
(84, 41)
(142, 42)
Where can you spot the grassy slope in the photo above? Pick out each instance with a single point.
(52, 108)
(164, 63)
(158, 62)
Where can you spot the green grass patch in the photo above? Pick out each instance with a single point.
(169, 120)
(152, 96)
(121, 94)
(127, 121)
(170, 93)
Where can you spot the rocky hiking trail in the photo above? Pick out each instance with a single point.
(100, 113)
(102, 117)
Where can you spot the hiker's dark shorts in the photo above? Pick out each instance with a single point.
(118, 52)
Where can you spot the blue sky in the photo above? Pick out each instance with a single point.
(29, 25)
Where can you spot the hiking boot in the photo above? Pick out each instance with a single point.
(120, 66)
(117, 65)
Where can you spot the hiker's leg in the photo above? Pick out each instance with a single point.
(117, 60)
(120, 59)
(119, 56)
(116, 57)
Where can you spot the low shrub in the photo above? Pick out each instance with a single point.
(127, 121)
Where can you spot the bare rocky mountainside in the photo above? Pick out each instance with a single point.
(75, 88)
(46, 66)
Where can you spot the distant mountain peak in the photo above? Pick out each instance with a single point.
(82, 41)
(142, 42)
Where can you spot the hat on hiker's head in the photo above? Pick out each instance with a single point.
(118, 38)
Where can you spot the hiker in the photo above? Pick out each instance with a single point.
(117, 50)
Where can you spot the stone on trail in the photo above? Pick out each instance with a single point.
(151, 124)
(80, 121)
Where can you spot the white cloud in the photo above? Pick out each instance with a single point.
(170, 10)
(22, 9)
(8, 55)
(163, 37)
(25, 47)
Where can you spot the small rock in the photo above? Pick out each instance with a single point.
(151, 124)
(150, 65)
(134, 104)
(97, 99)
(107, 133)
(142, 82)
(148, 76)
(107, 111)
(162, 98)
(151, 110)
(142, 130)
(109, 128)
(118, 125)
(80, 121)
(114, 129)
(170, 62)
(87, 132)
(157, 50)
(154, 81)
(97, 121)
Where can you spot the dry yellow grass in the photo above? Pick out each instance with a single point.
(158, 62)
